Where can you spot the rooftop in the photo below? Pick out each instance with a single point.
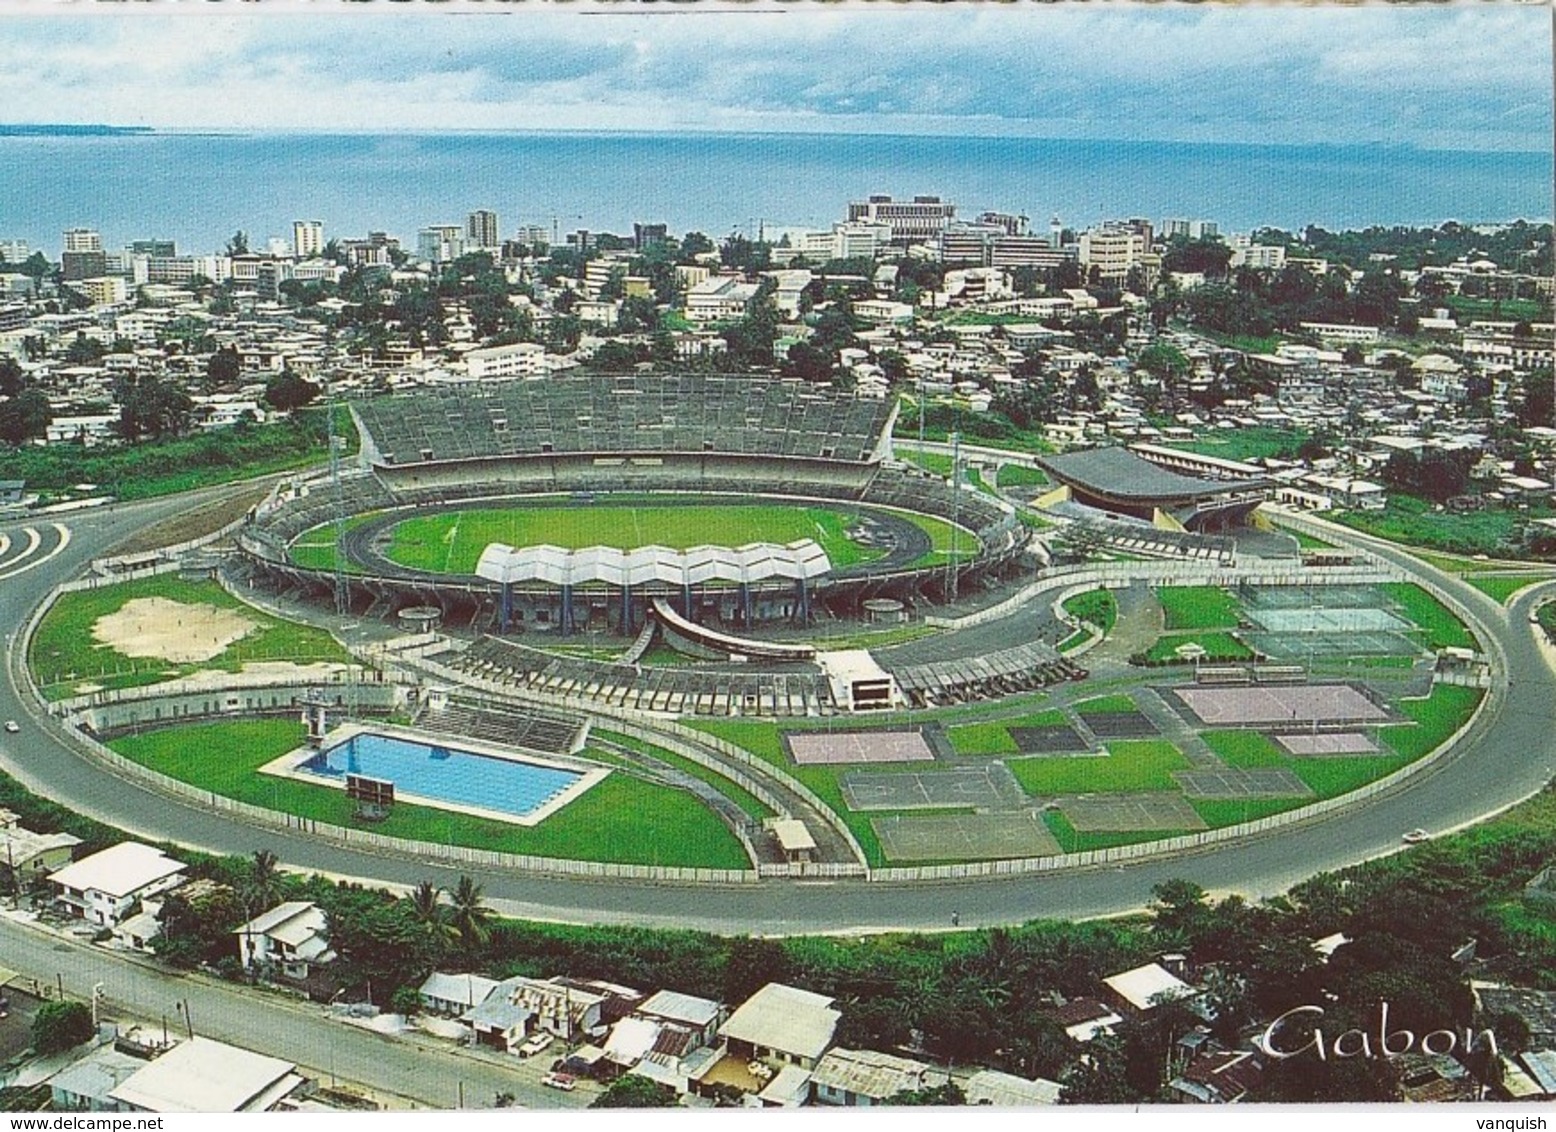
(202, 1075)
(784, 1018)
(1120, 474)
(118, 871)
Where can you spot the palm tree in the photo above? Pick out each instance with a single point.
(264, 878)
(467, 914)
(429, 912)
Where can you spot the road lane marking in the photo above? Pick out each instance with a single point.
(34, 540)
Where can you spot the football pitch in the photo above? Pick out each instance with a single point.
(452, 542)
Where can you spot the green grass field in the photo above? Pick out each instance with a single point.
(1443, 629)
(1414, 523)
(1198, 607)
(1096, 606)
(1501, 587)
(622, 819)
(1129, 765)
(1019, 475)
(993, 738)
(1245, 749)
(1217, 646)
(750, 804)
(63, 653)
(1105, 705)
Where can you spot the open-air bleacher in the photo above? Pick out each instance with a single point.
(682, 691)
(1149, 542)
(358, 494)
(658, 413)
(531, 731)
(1017, 669)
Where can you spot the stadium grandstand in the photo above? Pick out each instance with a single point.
(1138, 484)
(568, 442)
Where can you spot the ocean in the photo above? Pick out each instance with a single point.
(200, 188)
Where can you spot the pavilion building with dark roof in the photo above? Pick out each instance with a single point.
(1198, 494)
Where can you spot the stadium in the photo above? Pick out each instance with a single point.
(719, 504)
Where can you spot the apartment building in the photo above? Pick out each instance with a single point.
(922, 218)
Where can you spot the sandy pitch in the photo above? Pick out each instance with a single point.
(159, 629)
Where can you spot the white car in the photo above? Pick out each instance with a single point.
(1416, 836)
(564, 1081)
(534, 1044)
(12, 726)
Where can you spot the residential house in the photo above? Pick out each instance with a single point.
(449, 995)
(519, 1006)
(106, 886)
(699, 1016)
(1142, 989)
(782, 1024)
(85, 1084)
(1084, 1018)
(290, 938)
(1218, 1076)
(26, 856)
(1005, 1090)
(862, 1078)
(202, 1075)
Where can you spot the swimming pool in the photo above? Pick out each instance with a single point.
(425, 770)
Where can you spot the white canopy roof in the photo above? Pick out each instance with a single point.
(554, 565)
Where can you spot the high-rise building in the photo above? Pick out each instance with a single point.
(440, 243)
(307, 238)
(153, 247)
(83, 256)
(922, 218)
(83, 240)
(481, 229)
(14, 251)
(1190, 229)
(647, 235)
(533, 236)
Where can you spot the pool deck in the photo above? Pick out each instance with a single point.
(290, 765)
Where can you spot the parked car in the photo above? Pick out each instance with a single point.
(564, 1081)
(1416, 836)
(535, 1043)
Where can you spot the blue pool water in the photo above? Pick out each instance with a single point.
(445, 774)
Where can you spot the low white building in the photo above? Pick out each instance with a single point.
(863, 1078)
(291, 938)
(103, 888)
(202, 1075)
(720, 297)
(780, 1024)
(495, 363)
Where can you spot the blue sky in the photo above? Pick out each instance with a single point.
(1456, 77)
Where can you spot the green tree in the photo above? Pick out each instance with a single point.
(469, 915)
(633, 1091)
(150, 406)
(24, 417)
(941, 1096)
(224, 367)
(59, 1026)
(287, 391)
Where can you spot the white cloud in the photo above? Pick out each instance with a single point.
(1477, 77)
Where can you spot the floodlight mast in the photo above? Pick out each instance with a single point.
(342, 594)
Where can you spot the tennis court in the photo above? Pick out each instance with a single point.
(816, 748)
(1130, 813)
(1234, 784)
(1327, 743)
(1297, 703)
(1054, 739)
(983, 787)
(964, 837)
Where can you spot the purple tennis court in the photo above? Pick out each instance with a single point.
(1328, 743)
(1299, 703)
(832, 747)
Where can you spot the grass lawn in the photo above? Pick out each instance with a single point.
(993, 738)
(63, 653)
(1437, 717)
(316, 548)
(1130, 765)
(1501, 587)
(1019, 475)
(1218, 812)
(1245, 749)
(1105, 705)
(1413, 522)
(1217, 646)
(621, 819)
(1245, 443)
(1198, 607)
(1096, 606)
(1443, 629)
(753, 806)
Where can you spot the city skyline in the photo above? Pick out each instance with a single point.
(1441, 78)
